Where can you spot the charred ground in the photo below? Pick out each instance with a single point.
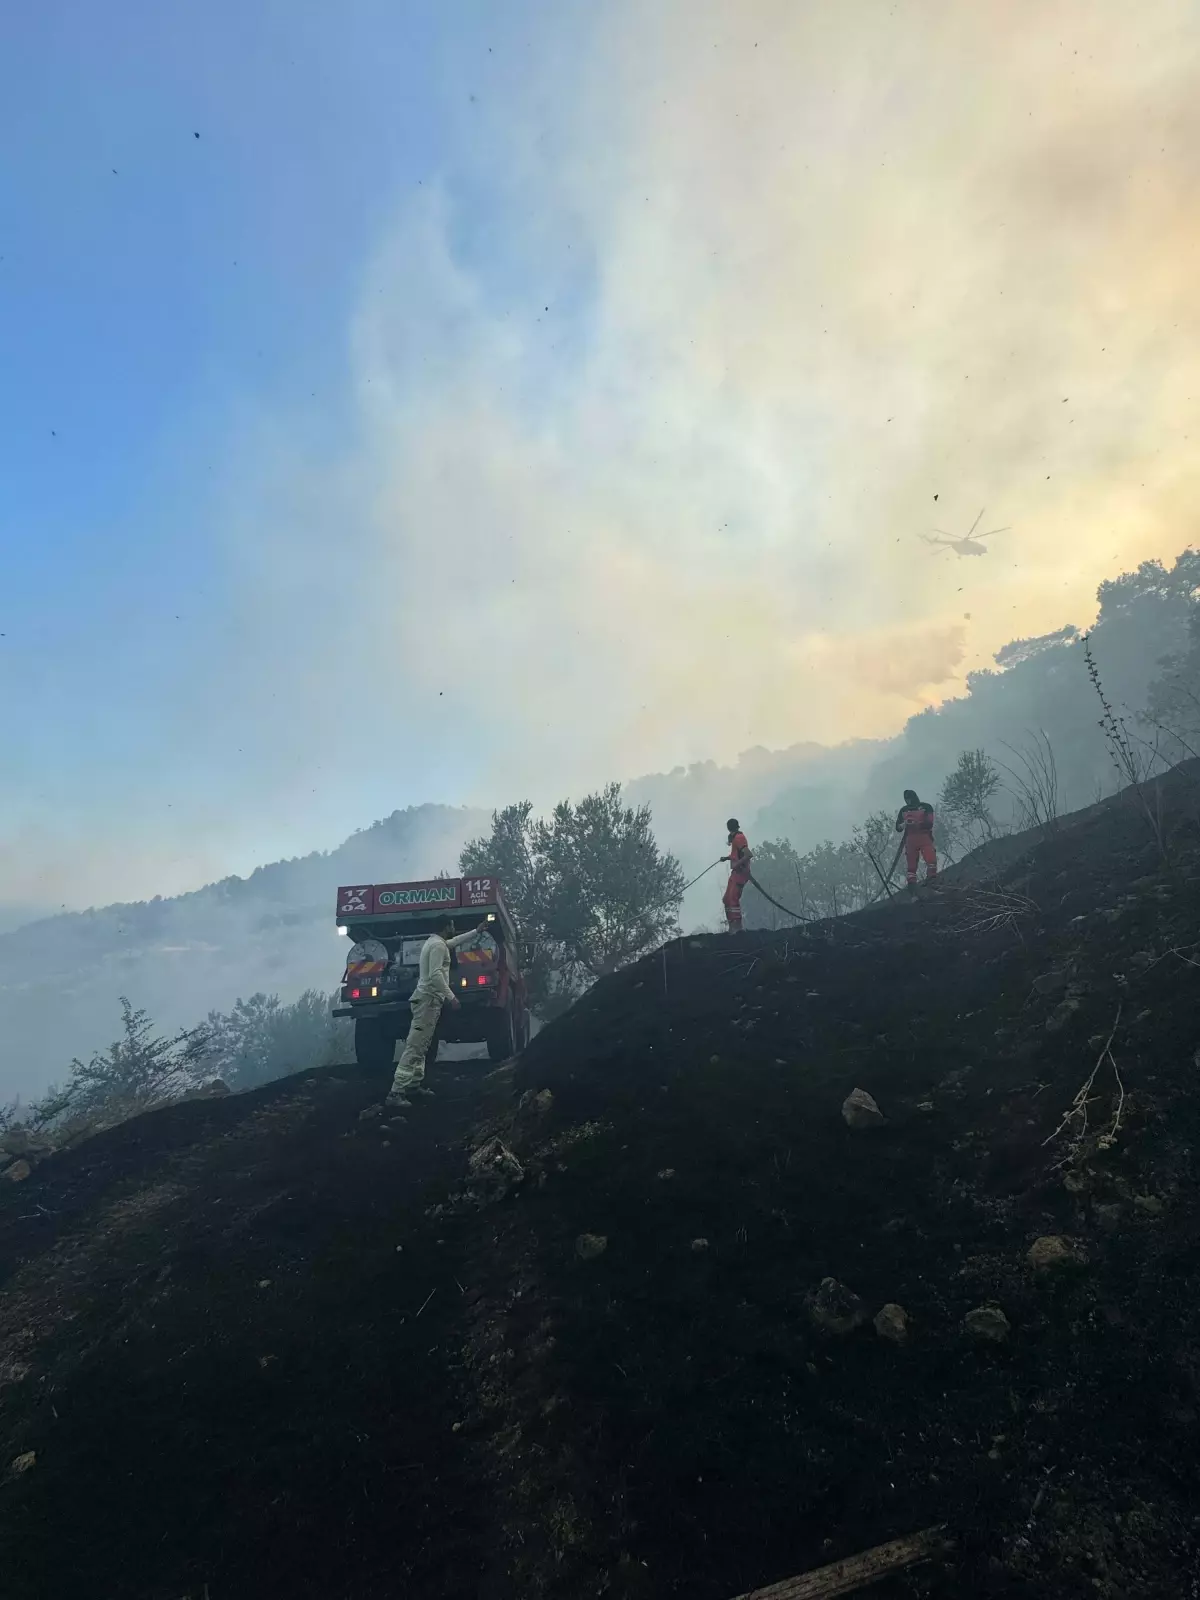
(265, 1345)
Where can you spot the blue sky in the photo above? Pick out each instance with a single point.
(498, 398)
(155, 288)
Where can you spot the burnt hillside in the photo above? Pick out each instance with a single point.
(273, 1345)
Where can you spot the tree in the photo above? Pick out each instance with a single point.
(966, 793)
(509, 852)
(588, 885)
(260, 1039)
(777, 866)
(136, 1070)
(873, 841)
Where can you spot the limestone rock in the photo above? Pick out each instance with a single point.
(1061, 1015)
(19, 1171)
(860, 1111)
(836, 1309)
(1108, 1214)
(23, 1463)
(1149, 1204)
(1052, 1251)
(23, 1142)
(590, 1245)
(699, 1246)
(493, 1171)
(892, 1323)
(987, 1324)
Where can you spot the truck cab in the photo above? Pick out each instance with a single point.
(388, 923)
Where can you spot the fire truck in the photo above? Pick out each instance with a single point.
(388, 923)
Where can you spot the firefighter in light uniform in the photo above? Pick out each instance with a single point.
(432, 992)
(739, 875)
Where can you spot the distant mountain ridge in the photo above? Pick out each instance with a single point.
(61, 976)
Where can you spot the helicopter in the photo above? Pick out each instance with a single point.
(969, 544)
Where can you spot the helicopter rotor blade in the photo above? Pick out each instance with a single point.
(988, 535)
(977, 521)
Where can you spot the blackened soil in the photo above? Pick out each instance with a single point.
(231, 1337)
(233, 1379)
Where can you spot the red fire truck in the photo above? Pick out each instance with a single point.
(388, 923)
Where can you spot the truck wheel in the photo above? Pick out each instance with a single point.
(374, 1046)
(500, 1037)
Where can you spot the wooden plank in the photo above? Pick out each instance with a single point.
(856, 1572)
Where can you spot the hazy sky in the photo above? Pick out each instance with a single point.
(499, 397)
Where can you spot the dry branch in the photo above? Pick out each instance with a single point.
(856, 1572)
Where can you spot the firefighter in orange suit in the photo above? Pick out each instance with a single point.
(915, 821)
(739, 875)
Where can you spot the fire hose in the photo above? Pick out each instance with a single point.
(787, 910)
(799, 915)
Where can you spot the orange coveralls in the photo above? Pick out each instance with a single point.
(918, 841)
(739, 877)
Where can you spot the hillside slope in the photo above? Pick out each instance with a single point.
(269, 1345)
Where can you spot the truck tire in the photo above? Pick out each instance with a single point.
(500, 1043)
(374, 1045)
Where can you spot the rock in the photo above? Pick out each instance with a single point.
(1149, 1204)
(699, 1246)
(544, 1099)
(369, 1113)
(216, 1090)
(835, 1308)
(1061, 1015)
(1051, 982)
(21, 1142)
(1052, 1251)
(667, 1173)
(860, 1111)
(1141, 959)
(988, 1324)
(1108, 1215)
(892, 1323)
(1076, 1181)
(23, 1463)
(590, 1245)
(493, 1171)
(18, 1172)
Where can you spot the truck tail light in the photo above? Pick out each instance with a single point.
(482, 978)
(356, 994)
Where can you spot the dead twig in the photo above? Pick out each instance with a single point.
(425, 1302)
(1077, 1112)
